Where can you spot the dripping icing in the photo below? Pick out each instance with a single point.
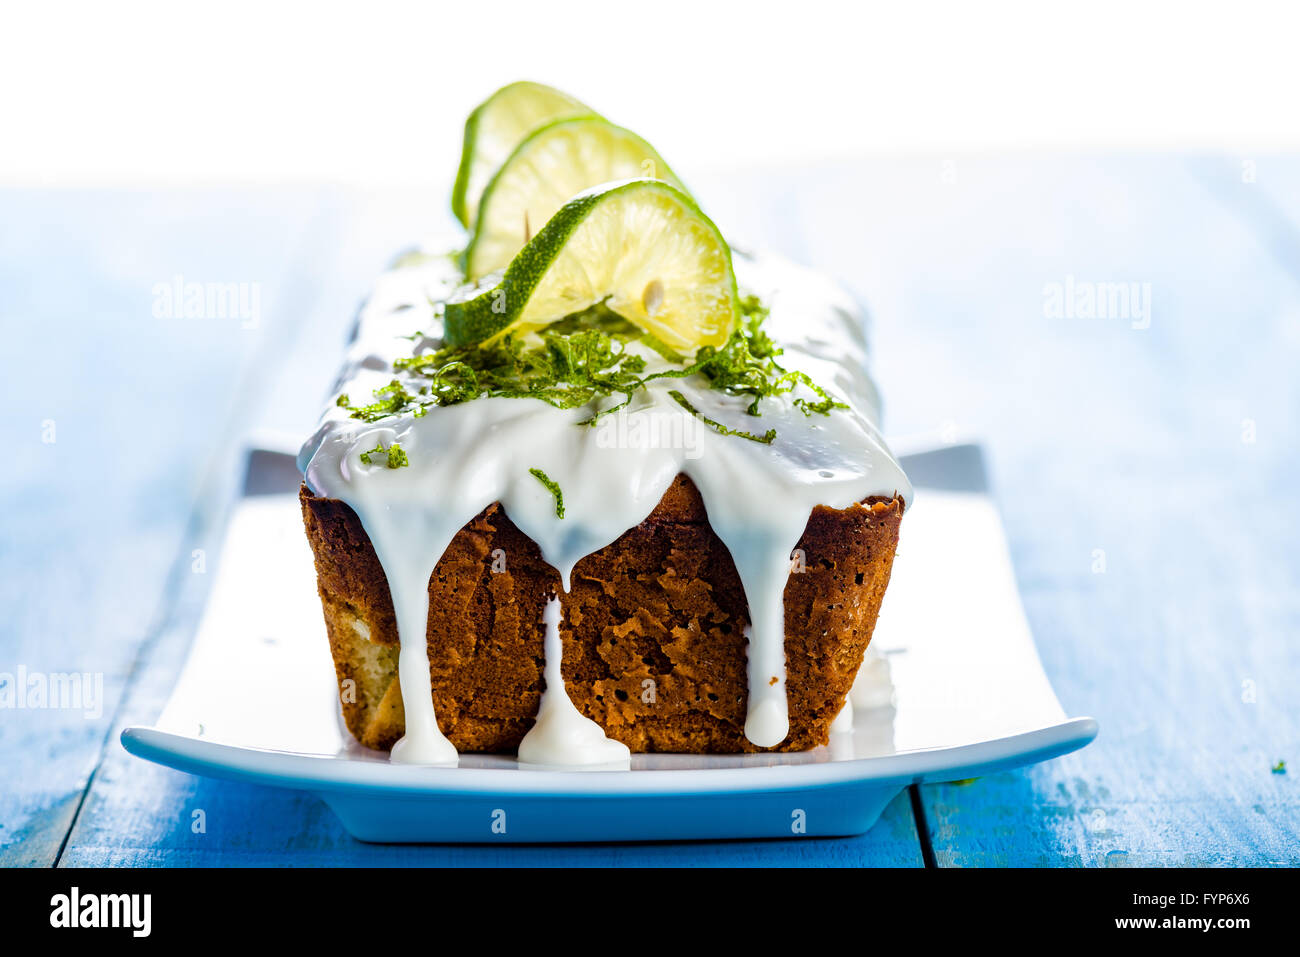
(465, 457)
(562, 735)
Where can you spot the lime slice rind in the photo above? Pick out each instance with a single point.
(641, 246)
(495, 127)
(551, 165)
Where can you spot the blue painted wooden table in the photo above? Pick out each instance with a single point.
(1144, 460)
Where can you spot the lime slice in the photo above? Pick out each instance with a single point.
(495, 128)
(551, 166)
(641, 246)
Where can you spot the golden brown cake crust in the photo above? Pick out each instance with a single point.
(653, 644)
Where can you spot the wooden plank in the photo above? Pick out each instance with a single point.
(1168, 452)
(111, 413)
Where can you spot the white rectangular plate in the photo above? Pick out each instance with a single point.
(256, 701)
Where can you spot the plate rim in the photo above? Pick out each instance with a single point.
(298, 771)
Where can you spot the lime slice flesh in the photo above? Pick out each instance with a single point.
(640, 246)
(551, 166)
(495, 128)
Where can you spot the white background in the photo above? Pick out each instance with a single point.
(374, 94)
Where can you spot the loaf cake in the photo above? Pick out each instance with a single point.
(656, 521)
(654, 651)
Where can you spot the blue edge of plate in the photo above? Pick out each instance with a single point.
(389, 803)
(381, 802)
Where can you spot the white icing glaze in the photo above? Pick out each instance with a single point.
(873, 687)
(465, 457)
(562, 735)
